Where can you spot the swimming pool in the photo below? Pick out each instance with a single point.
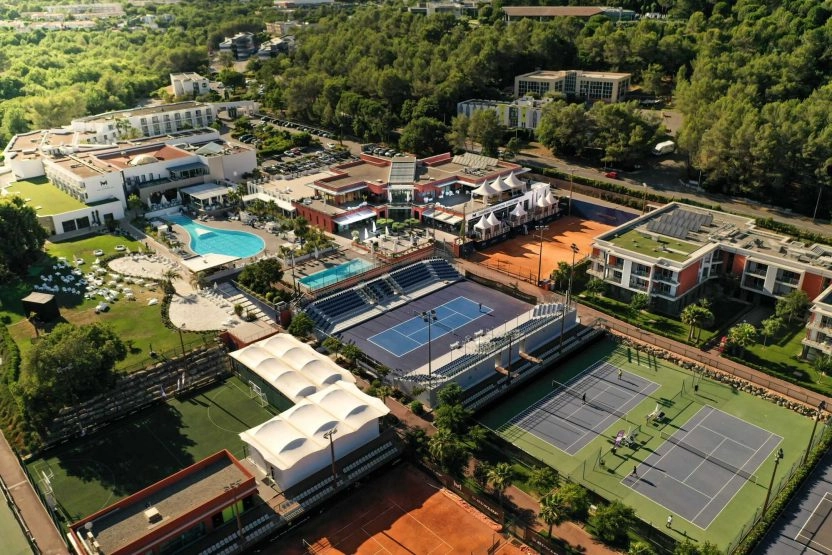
(210, 240)
(336, 273)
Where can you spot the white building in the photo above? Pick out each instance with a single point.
(592, 85)
(292, 446)
(523, 113)
(189, 84)
(109, 127)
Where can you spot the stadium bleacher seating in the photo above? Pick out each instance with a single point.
(338, 307)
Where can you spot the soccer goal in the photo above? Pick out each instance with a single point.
(256, 392)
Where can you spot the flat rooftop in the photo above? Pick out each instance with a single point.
(45, 198)
(161, 109)
(548, 74)
(138, 156)
(675, 231)
(124, 524)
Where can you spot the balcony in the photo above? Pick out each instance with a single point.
(823, 346)
(788, 280)
(756, 270)
(782, 290)
(638, 285)
(822, 324)
(665, 278)
(641, 273)
(612, 278)
(596, 272)
(753, 283)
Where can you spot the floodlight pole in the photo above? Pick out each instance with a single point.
(777, 458)
(571, 187)
(328, 435)
(429, 316)
(540, 228)
(181, 342)
(575, 250)
(821, 407)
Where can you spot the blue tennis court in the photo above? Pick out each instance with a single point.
(413, 333)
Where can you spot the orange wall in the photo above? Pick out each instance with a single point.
(812, 284)
(688, 278)
(739, 264)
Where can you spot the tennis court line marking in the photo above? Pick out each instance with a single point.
(447, 329)
(710, 410)
(598, 427)
(802, 528)
(521, 415)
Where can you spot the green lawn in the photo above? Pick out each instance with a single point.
(44, 197)
(10, 294)
(666, 247)
(134, 321)
(780, 358)
(94, 472)
(680, 406)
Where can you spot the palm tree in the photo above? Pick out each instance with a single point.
(169, 275)
(446, 449)
(500, 476)
(550, 514)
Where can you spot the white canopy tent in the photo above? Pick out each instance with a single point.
(492, 220)
(518, 211)
(482, 224)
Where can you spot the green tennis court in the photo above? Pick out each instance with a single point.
(604, 462)
(14, 542)
(91, 473)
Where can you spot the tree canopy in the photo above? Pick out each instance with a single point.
(22, 236)
(260, 275)
(68, 365)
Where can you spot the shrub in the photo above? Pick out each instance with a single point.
(417, 407)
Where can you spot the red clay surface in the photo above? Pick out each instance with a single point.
(520, 256)
(402, 511)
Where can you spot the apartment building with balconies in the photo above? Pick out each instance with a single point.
(671, 253)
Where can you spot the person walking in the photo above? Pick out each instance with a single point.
(635, 472)
(620, 373)
(583, 398)
(670, 521)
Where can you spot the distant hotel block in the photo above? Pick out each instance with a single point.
(240, 46)
(523, 113)
(456, 9)
(595, 85)
(189, 84)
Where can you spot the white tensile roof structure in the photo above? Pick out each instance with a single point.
(482, 224)
(493, 220)
(518, 210)
(291, 366)
(291, 446)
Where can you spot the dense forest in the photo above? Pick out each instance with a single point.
(751, 77)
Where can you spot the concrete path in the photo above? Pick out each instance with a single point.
(35, 515)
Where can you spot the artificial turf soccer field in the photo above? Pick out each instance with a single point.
(91, 473)
(715, 431)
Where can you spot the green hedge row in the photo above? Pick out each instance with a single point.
(10, 354)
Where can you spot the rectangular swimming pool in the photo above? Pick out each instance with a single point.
(335, 274)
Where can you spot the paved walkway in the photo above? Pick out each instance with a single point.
(34, 513)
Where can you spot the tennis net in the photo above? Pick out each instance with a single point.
(562, 387)
(708, 457)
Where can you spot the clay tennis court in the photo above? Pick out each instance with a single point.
(520, 256)
(401, 511)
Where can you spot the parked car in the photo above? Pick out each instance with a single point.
(612, 175)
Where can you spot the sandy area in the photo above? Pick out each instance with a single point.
(188, 309)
